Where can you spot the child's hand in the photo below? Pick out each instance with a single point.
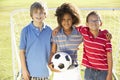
(55, 31)
(108, 36)
(52, 69)
(25, 75)
(109, 77)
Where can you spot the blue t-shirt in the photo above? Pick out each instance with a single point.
(37, 46)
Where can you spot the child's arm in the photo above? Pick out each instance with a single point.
(53, 51)
(56, 30)
(81, 29)
(25, 72)
(110, 65)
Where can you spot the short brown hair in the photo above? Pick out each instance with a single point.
(70, 9)
(38, 5)
(93, 13)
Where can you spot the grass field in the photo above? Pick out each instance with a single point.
(7, 6)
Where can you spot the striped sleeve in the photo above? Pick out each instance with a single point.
(54, 39)
(108, 46)
(79, 29)
(82, 29)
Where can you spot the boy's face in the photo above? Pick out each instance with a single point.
(66, 21)
(38, 15)
(94, 22)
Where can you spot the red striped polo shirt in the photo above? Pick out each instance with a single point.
(95, 49)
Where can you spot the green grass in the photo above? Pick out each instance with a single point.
(7, 6)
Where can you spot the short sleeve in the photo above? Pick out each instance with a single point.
(82, 29)
(105, 32)
(54, 39)
(108, 46)
(79, 28)
(23, 40)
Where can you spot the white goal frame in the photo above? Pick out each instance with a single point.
(15, 52)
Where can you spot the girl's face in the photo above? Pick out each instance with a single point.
(66, 21)
(94, 22)
(38, 16)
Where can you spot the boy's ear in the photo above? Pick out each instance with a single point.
(86, 24)
(45, 15)
(100, 23)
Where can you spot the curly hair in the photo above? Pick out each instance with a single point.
(70, 9)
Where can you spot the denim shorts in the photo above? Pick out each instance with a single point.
(93, 74)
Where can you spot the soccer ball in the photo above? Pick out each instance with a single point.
(61, 61)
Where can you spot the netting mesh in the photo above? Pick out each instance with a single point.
(110, 19)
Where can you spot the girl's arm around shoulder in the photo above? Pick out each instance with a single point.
(56, 30)
(81, 28)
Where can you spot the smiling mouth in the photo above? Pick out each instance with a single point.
(94, 26)
(38, 18)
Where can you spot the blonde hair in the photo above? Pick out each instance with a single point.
(38, 5)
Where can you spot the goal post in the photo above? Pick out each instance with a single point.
(18, 19)
(110, 18)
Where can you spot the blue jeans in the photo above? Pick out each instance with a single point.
(93, 74)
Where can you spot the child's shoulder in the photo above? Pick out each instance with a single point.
(103, 33)
(48, 27)
(82, 28)
(26, 28)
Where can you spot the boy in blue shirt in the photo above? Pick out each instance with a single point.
(35, 45)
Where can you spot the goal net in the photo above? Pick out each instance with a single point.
(110, 18)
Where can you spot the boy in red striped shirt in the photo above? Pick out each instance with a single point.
(97, 55)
